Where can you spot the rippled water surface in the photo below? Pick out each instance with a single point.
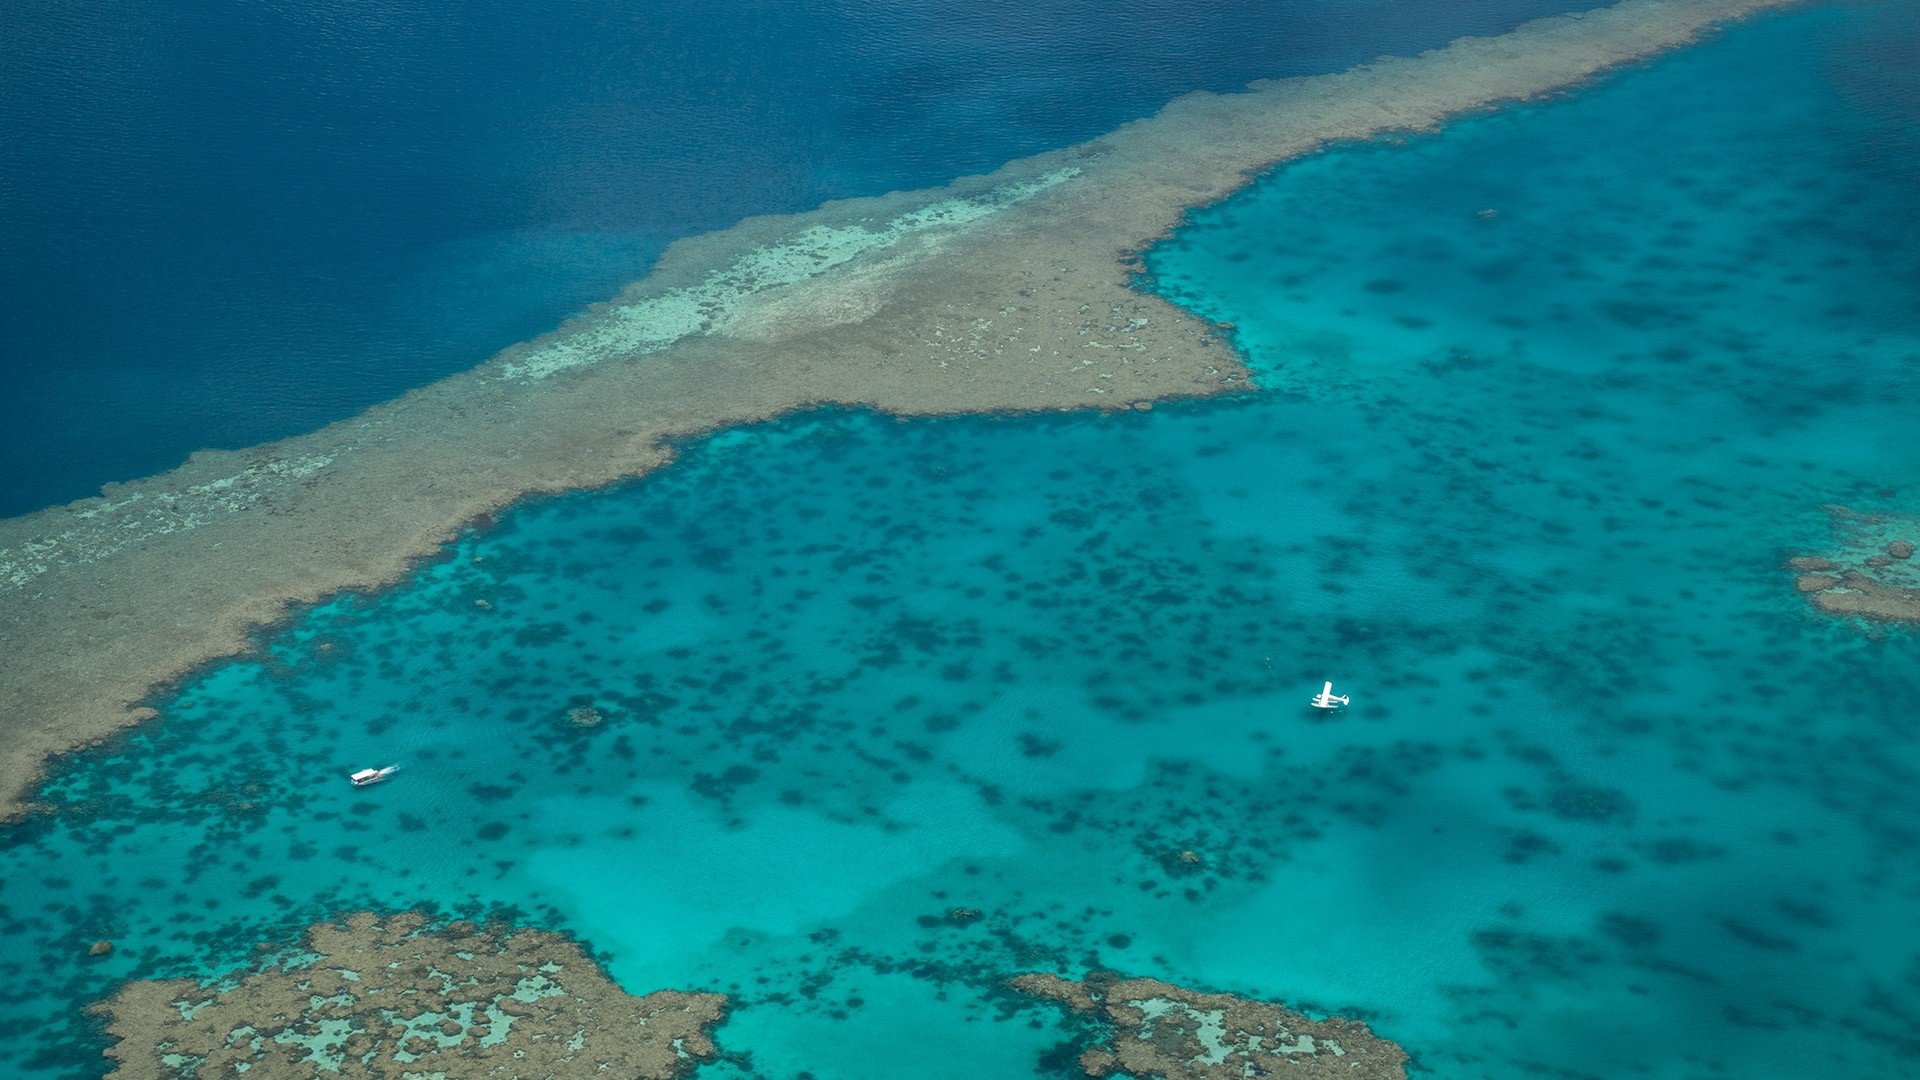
(1550, 397)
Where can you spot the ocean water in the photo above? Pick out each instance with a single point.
(227, 223)
(1610, 800)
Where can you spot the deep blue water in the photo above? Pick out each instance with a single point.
(1610, 801)
(225, 223)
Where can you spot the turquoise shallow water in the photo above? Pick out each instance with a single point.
(1610, 801)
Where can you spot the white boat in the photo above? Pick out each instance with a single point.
(372, 776)
(1326, 699)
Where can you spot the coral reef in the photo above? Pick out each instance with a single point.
(1012, 291)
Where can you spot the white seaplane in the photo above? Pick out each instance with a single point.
(1326, 699)
(372, 776)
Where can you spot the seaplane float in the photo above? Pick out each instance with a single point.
(1327, 699)
(366, 777)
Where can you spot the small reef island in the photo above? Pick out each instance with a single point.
(1156, 1029)
(393, 997)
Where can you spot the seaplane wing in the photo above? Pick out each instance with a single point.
(1327, 699)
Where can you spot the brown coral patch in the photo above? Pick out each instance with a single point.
(1157, 1029)
(1868, 573)
(392, 997)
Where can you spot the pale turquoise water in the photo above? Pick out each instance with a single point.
(1610, 801)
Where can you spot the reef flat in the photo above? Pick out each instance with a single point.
(389, 997)
(1870, 569)
(1006, 292)
(1157, 1029)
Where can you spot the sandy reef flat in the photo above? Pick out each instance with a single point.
(1006, 292)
